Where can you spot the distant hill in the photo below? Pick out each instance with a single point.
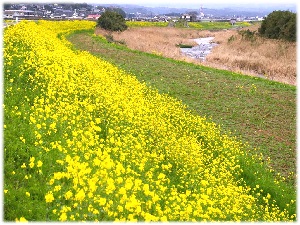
(214, 9)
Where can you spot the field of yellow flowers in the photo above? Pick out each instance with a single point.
(84, 141)
(194, 25)
(146, 24)
(216, 25)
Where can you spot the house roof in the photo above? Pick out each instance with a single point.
(18, 10)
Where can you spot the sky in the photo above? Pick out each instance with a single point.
(162, 2)
(189, 2)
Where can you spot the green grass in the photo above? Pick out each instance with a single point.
(146, 24)
(184, 46)
(16, 151)
(257, 111)
(194, 25)
(213, 25)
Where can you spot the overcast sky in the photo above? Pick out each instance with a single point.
(191, 4)
(190, 1)
(161, 2)
(187, 2)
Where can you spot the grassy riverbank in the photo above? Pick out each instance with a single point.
(259, 111)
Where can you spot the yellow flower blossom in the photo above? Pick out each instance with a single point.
(31, 164)
(22, 220)
(49, 197)
(22, 139)
(57, 188)
(80, 195)
(102, 201)
(68, 195)
(63, 217)
(39, 163)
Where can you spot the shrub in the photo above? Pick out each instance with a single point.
(231, 39)
(181, 23)
(112, 21)
(247, 35)
(279, 25)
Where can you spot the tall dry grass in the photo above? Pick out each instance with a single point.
(159, 40)
(271, 59)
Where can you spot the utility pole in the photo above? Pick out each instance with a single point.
(201, 12)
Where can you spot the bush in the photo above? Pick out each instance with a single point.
(279, 25)
(112, 21)
(248, 35)
(231, 39)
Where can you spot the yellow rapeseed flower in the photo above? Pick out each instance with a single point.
(23, 165)
(68, 195)
(63, 217)
(102, 201)
(22, 139)
(80, 195)
(57, 188)
(39, 163)
(31, 164)
(22, 220)
(49, 197)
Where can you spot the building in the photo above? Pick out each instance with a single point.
(188, 17)
(12, 14)
(93, 17)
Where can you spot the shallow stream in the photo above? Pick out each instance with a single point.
(201, 50)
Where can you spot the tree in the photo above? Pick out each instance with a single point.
(111, 20)
(48, 8)
(7, 6)
(118, 10)
(289, 30)
(279, 25)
